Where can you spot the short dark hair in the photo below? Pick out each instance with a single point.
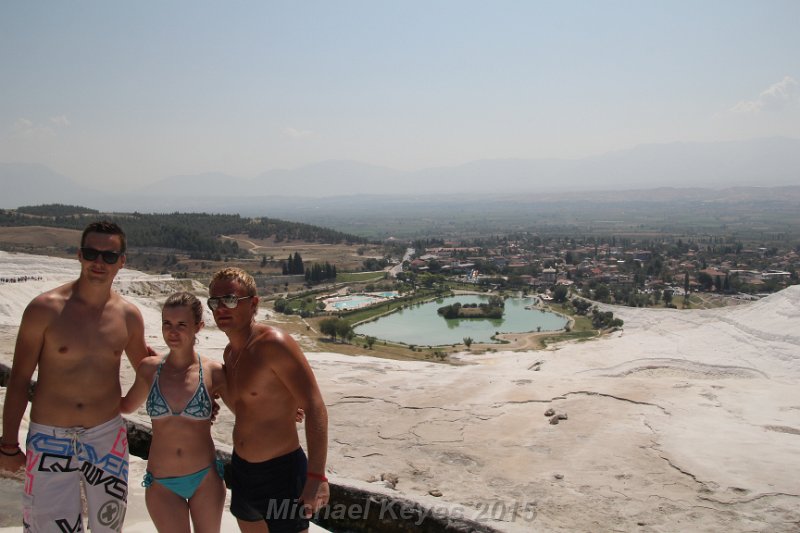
(104, 226)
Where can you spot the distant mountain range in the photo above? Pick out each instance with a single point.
(769, 162)
(26, 184)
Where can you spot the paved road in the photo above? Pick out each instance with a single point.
(396, 269)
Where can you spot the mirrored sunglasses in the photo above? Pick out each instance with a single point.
(90, 254)
(229, 300)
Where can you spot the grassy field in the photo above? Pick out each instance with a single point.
(365, 277)
(581, 328)
(346, 257)
(42, 240)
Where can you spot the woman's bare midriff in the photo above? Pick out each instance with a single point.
(180, 446)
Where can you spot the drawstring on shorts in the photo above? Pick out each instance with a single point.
(74, 435)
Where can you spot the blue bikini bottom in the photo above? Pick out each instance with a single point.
(184, 486)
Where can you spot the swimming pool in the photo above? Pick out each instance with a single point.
(357, 301)
(387, 294)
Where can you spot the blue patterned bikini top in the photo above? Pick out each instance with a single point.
(198, 408)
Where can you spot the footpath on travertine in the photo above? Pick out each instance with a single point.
(686, 420)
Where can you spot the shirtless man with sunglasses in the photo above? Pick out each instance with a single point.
(75, 335)
(274, 487)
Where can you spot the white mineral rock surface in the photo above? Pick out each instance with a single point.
(684, 421)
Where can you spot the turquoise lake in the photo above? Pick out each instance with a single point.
(421, 324)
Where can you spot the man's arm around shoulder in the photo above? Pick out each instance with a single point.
(136, 349)
(138, 392)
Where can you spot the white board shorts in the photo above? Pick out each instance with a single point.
(58, 459)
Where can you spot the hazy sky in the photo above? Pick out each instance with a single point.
(118, 94)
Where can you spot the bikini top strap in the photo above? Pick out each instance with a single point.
(163, 360)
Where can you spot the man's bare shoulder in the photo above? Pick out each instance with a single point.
(275, 347)
(270, 338)
(50, 303)
(129, 308)
(124, 302)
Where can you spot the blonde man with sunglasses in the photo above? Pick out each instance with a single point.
(74, 335)
(274, 486)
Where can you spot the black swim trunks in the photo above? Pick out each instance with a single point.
(270, 491)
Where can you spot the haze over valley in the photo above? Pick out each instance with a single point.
(759, 162)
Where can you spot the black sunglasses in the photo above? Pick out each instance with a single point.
(90, 254)
(229, 300)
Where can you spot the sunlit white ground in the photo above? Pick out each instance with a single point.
(683, 421)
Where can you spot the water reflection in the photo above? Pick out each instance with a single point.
(420, 324)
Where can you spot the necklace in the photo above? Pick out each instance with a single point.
(239, 353)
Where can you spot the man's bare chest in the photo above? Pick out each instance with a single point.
(78, 334)
(250, 379)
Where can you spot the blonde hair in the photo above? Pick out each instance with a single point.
(236, 274)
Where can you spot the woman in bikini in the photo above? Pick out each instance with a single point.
(184, 478)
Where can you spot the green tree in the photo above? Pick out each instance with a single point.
(560, 293)
(344, 329)
(605, 319)
(328, 327)
(602, 293)
(705, 279)
(297, 264)
(450, 311)
(372, 264)
(581, 306)
(280, 305)
(468, 342)
(667, 297)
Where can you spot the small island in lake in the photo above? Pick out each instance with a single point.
(493, 309)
